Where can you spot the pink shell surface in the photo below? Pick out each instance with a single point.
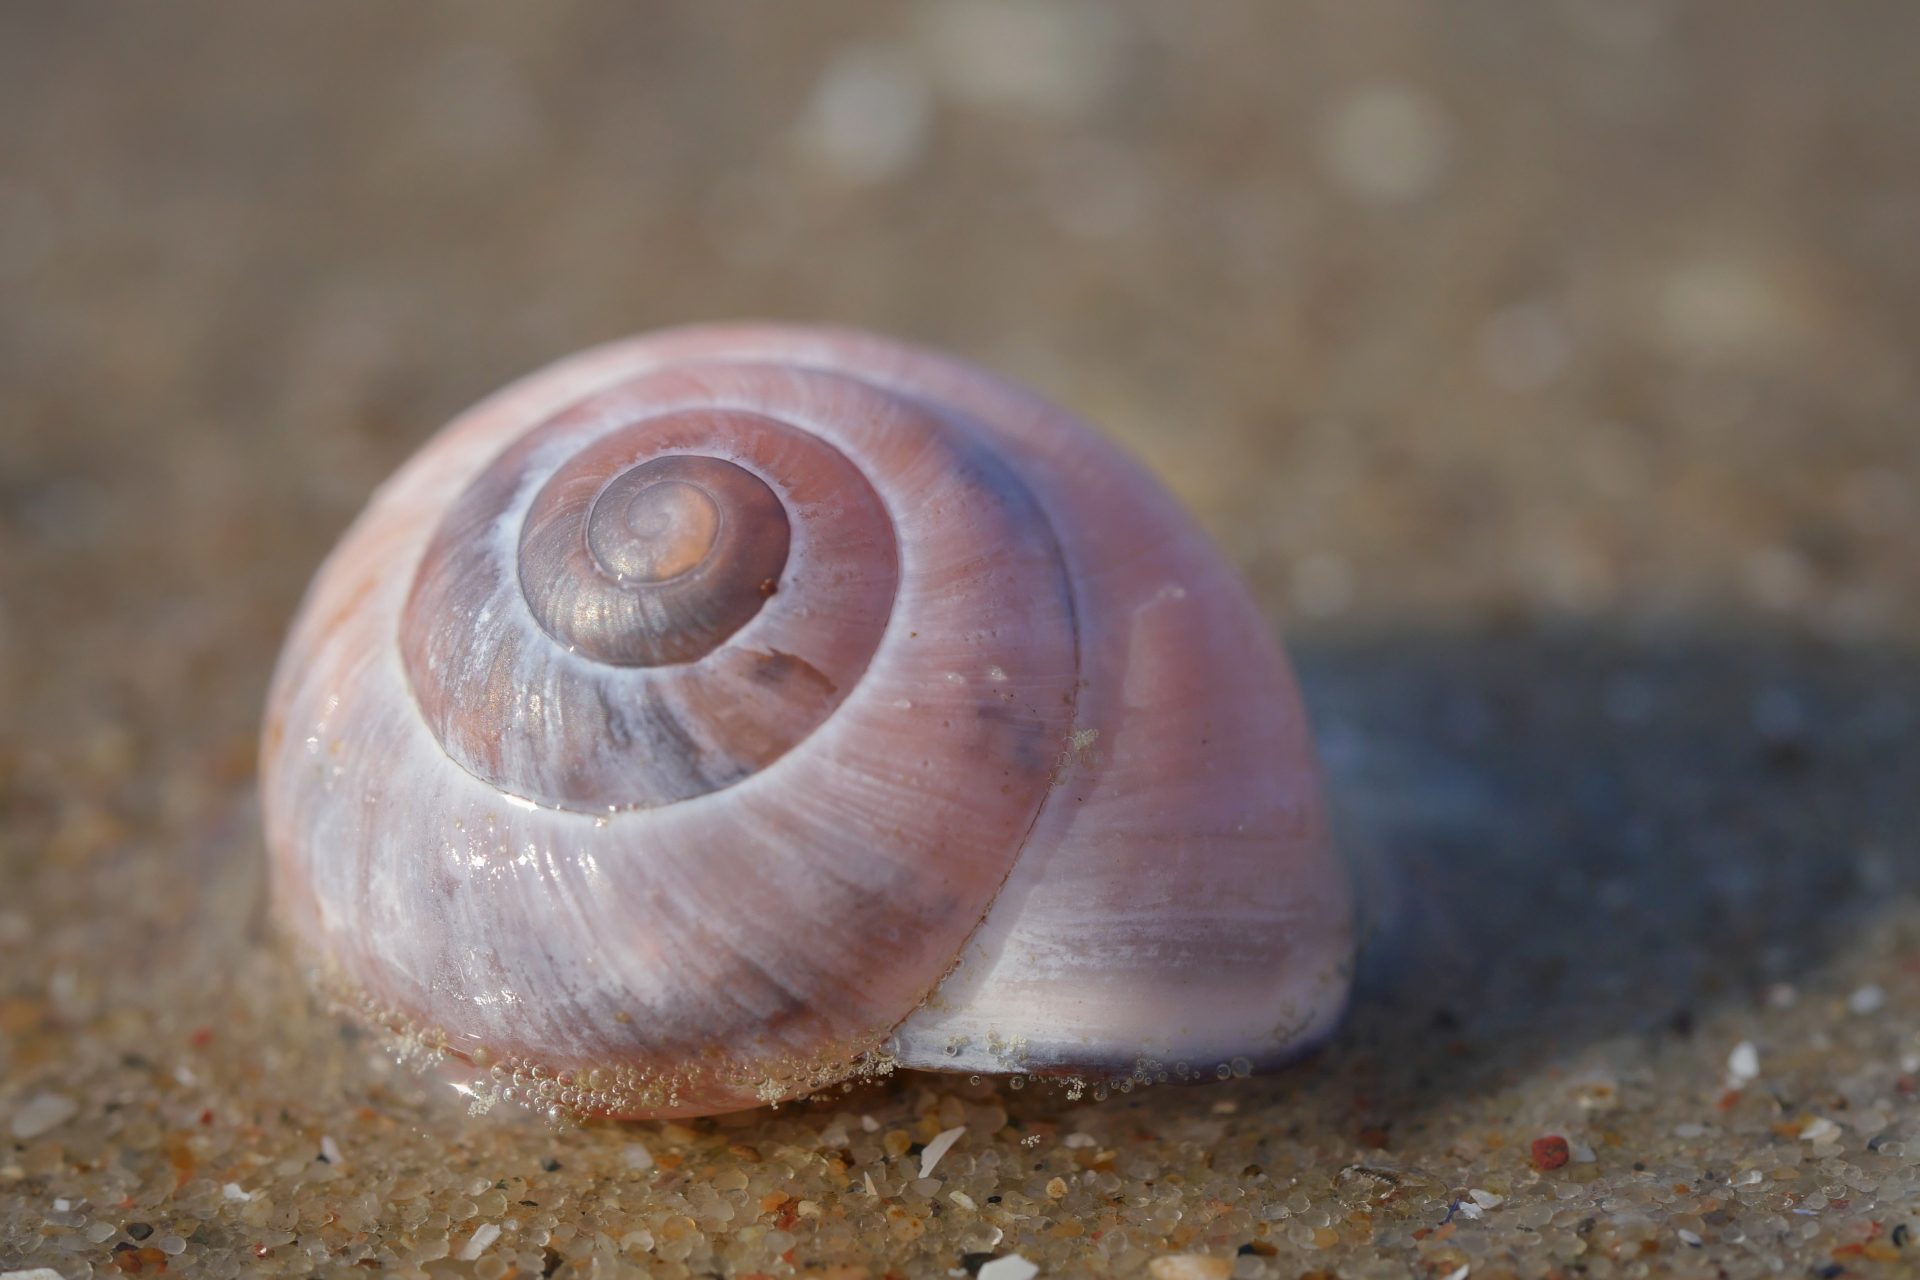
(1162, 888)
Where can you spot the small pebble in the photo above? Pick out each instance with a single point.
(1821, 1130)
(1743, 1064)
(1387, 143)
(1190, 1266)
(941, 1144)
(483, 1235)
(1867, 999)
(1549, 1152)
(1032, 60)
(1011, 1267)
(868, 117)
(43, 1113)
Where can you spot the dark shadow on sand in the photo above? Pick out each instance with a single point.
(1581, 835)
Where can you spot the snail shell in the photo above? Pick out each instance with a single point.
(717, 711)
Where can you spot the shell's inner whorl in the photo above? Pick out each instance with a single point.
(663, 563)
(651, 528)
(624, 617)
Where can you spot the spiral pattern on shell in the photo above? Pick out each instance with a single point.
(711, 711)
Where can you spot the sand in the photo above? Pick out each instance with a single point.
(1548, 367)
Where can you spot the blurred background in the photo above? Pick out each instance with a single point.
(1549, 367)
(1571, 308)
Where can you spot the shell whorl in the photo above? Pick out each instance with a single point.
(626, 609)
(655, 564)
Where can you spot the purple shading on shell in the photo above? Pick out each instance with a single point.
(717, 712)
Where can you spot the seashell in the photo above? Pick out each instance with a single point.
(721, 712)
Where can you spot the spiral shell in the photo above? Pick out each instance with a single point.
(716, 711)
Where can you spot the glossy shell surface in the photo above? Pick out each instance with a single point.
(717, 711)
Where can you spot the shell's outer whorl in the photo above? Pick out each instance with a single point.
(1179, 898)
(752, 919)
